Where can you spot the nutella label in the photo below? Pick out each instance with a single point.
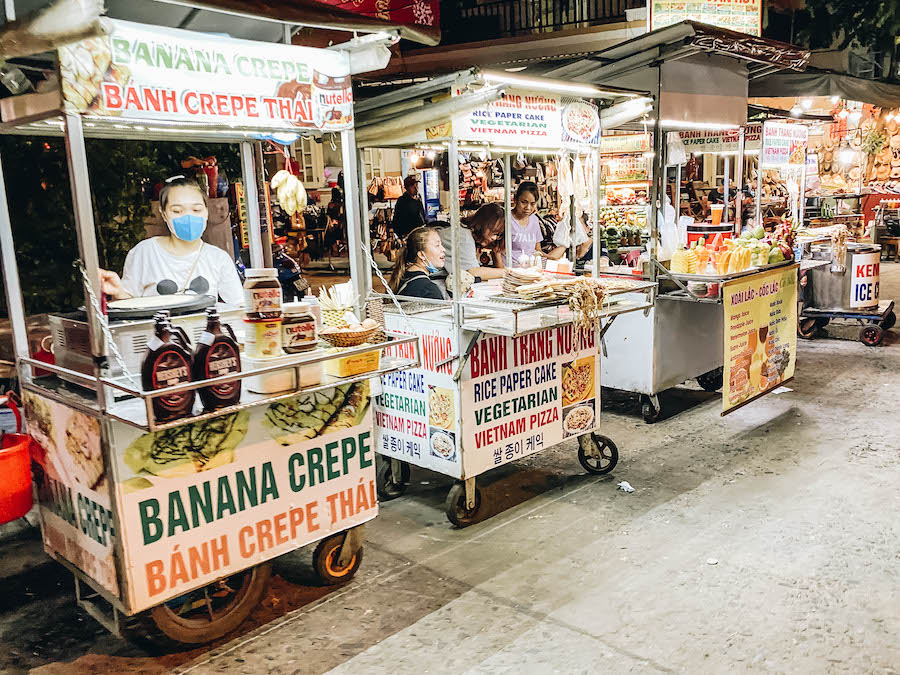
(299, 335)
(333, 101)
(262, 301)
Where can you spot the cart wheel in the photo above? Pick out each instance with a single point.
(871, 335)
(649, 411)
(597, 454)
(325, 561)
(806, 328)
(823, 321)
(207, 613)
(457, 513)
(712, 381)
(388, 487)
(889, 321)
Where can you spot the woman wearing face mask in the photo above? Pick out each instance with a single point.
(421, 256)
(179, 262)
(526, 226)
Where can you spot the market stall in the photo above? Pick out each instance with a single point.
(698, 75)
(512, 366)
(179, 446)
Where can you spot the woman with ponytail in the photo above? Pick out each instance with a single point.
(421, 256)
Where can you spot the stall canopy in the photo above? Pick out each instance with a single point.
(701, 72)
(815, 82)
(246, 19)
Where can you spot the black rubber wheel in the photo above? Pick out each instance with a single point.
(713, 380)
(325, 561)
(599, 459)
(207, 613)
(871, 335)
(889, 321)
(821, 322)
(807, 328)
(388, 488)
(457, 513)
(649, 412)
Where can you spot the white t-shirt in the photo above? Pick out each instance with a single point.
(561, 234)
(148, 265)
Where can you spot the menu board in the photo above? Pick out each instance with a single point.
(784, 146)
(744, 16)
(529, 120)
(760, 334)
(203, 500)
(77, 521)
(416, 415)
(523, 394)
(728, 140)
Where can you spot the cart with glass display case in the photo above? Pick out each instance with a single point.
(502, 376)
(169, 524)
(698, 76)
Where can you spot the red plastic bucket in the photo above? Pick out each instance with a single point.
(16, 498)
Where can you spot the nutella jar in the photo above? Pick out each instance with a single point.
(298, 328)
(332, 101)
(262, 295)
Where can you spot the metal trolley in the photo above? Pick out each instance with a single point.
(494, 382)
(183, 554)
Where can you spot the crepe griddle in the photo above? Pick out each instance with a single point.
(147, 306)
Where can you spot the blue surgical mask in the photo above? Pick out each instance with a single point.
(188, 227)
(428, 266)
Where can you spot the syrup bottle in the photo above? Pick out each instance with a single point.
(217, 354)
(180, 333)
(166, 364)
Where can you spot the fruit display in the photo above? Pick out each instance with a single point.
(625, 195)
(289, 191)
(753, 249)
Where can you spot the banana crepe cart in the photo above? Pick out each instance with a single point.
(171, 526)
(697, 75)
(501, 377)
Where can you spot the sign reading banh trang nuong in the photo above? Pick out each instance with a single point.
(530, 119)
(523, 394)
(210, 498)
(143, 72)
(760, 334)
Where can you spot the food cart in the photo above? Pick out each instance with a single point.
(171, 526)
(698, 76)
(502, 377)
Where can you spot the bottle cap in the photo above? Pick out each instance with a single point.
(294, 308)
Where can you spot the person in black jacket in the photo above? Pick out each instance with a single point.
(409, 212)
(422, 255)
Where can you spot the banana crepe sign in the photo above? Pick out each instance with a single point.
(143, 72)
(203, 500)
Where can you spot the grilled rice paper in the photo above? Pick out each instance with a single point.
(189, 448)
(304, 417)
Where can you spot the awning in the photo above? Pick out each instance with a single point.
(260, 20)
(826, 83)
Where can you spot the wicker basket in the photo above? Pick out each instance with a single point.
(375, 311)
(347, 339)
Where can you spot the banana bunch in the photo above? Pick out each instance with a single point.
(289, 191)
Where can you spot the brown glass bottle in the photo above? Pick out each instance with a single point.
(167, 364)
(217, 354)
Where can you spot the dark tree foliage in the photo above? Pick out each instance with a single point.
(122, 175)
(866, 24)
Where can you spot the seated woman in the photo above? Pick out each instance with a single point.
(584, 242)
(484, 229)
(421, 256)
(179, 262)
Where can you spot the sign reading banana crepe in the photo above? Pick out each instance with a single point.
(143, 72)
(203, 500)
